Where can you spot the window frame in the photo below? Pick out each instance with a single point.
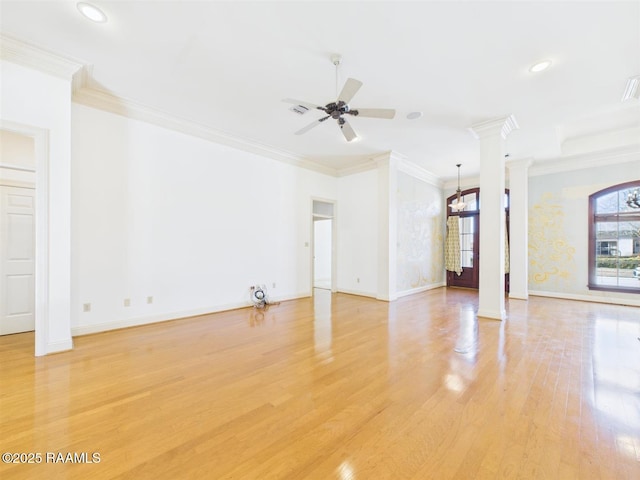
(593, 242)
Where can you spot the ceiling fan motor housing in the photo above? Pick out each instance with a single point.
(337, 109)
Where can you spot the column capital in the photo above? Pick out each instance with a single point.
(502, 125)
(521, 163)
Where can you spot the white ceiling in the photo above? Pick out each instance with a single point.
(228, 65)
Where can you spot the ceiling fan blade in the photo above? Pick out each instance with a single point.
(348, 132)
(311, 125)
(374, 112)
(310, 106)
(350, 88)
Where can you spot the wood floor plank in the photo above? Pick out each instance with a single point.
(337, 387)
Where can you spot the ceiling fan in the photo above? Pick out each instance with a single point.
(338, 109)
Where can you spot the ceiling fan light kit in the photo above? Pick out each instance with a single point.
(338, 109)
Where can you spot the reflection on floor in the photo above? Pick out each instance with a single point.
(337, 386)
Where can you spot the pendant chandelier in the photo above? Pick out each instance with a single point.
(459, 204)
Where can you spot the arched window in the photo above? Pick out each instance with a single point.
(614, 238)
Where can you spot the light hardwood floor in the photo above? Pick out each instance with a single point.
(337, 387)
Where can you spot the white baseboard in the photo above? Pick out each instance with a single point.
(357, 292)
(597, 298)
(424, 288)
(492, 314)
(60, 346)
(519, 296)
(166, 317)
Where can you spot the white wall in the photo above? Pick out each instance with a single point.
(189, 222)
(420, 258)
(36, 103)
(558, 230)
(358, 233)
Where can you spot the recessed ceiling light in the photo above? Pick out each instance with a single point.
(414, 115)
(92, 12)
(540, 66)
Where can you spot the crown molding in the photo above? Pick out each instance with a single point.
(410, 168)
(27, 55)
(580, 161)
(368, 164)
(404, 166)
(106, 101)
(85, 93)
(502, 125)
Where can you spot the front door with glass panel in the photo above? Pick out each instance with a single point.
(468, 222)
(469, 225)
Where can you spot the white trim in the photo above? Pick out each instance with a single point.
(334, 242)
(520, 163)
(5, 182)
(57, 347)
(167, 317)
(613, 156)
(410, 168)
(17, 167)
(359, 168)
(359, 293)
(595, 298)
(492, 314)
(413, 291)
(131, 109)
(519, 296)
(502, 125)
(86, 92)
(41, 147)
(17, 51)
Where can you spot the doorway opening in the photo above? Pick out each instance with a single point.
(17, 232)
(323, 245)
(469, 225)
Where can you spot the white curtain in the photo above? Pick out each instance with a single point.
(452, 246)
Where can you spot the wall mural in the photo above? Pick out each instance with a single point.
(551, 257)
(420, 234)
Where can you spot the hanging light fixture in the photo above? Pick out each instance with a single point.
(459, 204)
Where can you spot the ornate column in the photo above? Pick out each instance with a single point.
(519, 228)
(492, 134)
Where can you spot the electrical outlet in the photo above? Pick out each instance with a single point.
(86, 307)
(150, 299)
(127, 302)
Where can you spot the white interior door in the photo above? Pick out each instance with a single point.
(17, 262)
